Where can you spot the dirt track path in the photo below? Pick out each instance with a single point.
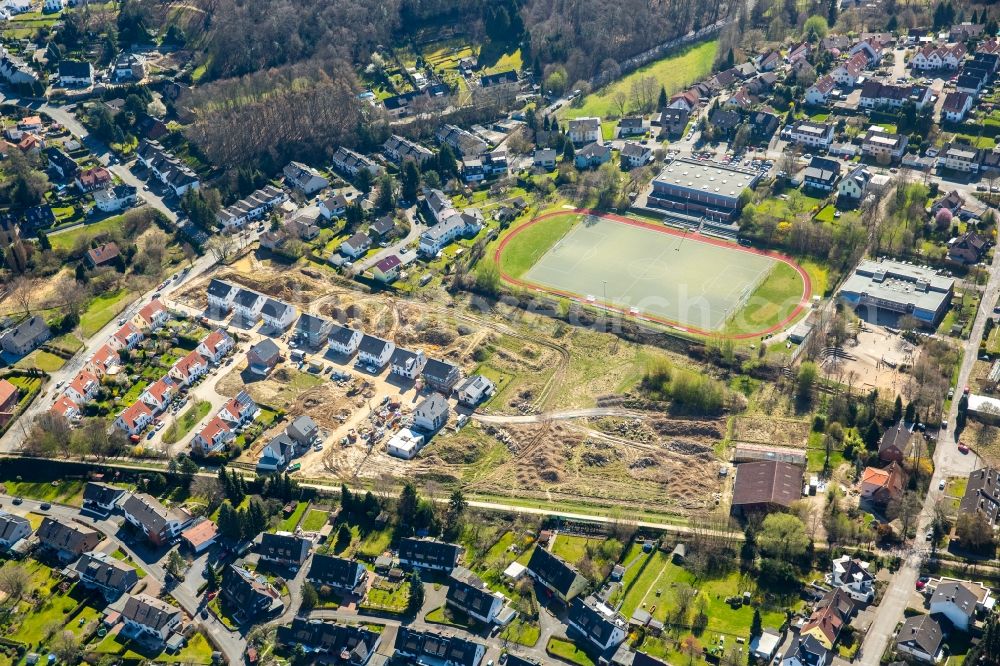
(566, 415)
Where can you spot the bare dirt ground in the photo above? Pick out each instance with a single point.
(663, 462)
(772, 431)
(878, 355)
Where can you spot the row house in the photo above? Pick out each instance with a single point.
(277, 315)
(399, 149)
(351, 163)
(932, 57)
(126, 337)
(248, 305)
(877, 94)
(312, 331)
(239, 410)
(252, 208)
(166, 168)
(343, 340)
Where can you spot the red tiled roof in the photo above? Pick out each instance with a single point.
(134, 411)
(64, 405)
(7, 391)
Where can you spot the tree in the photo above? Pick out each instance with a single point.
(873, 434)
(974, 531)
(662, 101)
(756, 626)
(456, 509)
(416, 599)
(211, 578)
(446, 162)
(691, 648)
(910, 414)
(409, 503)
(783, 536)
(175, 564)
(310, 597)
(897, 410)
(14, 581)
(815, 28)
(385, 199)
(66, 646)
(569, 153)
(804, 381)
(905, 509)
(410, 181)
(832, 12)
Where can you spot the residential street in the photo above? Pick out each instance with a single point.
(416, 228)
(230, 643)
(948, 462)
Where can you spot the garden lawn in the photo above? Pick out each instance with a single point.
(567, 651)
(64, 492)
(289, 524)
(571, 548)
(53, 610)
(375, 543)
(390, 601)
(67, 240)
(187, 420)
(521, 632)
(41, 360)
(673, 73)
(103, 309)
(314, 520)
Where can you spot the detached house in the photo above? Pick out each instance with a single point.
(160, 524)
(134, 418)
(921, 638)
(956, 105)
(356, 245)
(982, 494)
(277, 315)
(375, 352)
(431, 413)
(848, 73)
(301, 177)
(344, 340)
(881, 145)
(854, 185)
(882, 485)
(441, 376)
(12, 530)
(213, 436)
(249, 596)
(26, 336)
(66, 540)
(960, 601)
(284, 549)
(221, 295)
(276, 454)
(153, 315)
(73, 73)
(100, 571)
(150, 617)
(263, 357)
(95, 178)
(100, 497)
(336, 572)
(818, 93)
(896, 443)
(215, 345)
(428, 554)
(584, 130)
(188, 369)
(103, 255)
(854, 577)
(969, 248)
(806, 651)
(556, 575)
(469, 595)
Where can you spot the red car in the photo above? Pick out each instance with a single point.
(963, 448)
(920, 584)
(965, 391)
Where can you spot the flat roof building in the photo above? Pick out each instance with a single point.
(701, 188)
(883, 291)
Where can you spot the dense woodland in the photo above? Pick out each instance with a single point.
(284, 72)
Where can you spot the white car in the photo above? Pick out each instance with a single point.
(318, 447)
(941, 485)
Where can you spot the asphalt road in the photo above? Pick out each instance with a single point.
(230, 643)
(948, 462)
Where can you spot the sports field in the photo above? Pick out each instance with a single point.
(646, 270)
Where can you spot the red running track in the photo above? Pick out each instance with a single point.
(660, 228)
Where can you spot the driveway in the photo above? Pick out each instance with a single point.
(416, 228)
